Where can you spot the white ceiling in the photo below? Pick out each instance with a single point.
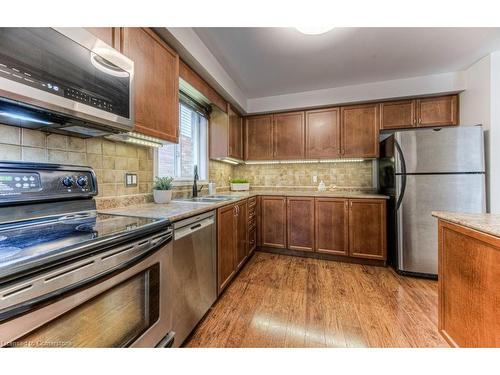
(275, 61)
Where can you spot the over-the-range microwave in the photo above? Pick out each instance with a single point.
(64, 80)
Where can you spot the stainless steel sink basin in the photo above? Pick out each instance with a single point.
(208, 199)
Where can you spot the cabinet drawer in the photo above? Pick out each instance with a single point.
(252, 240)
(252, 202)
(252, 223)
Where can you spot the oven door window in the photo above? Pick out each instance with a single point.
(115, 318)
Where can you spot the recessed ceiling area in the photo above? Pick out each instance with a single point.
(274, 61)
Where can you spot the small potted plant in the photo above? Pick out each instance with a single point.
(162, 189)
(240, 184)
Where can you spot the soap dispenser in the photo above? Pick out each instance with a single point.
(321, 186)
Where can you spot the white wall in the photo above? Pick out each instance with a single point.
(479, 104)
(398, 88)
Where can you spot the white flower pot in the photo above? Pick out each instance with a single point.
(162, 196)
(240, 187)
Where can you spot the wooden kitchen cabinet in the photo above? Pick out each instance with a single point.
(259, 137)
(398, 115)
(226, 245)
(323, 135)
(288, 136)
(235, 134)
(109, 35)
(360, 130)
(300, 223)
(367, 228)
(156, 83)
(437, 111)
(241, 233)
(332, 226)
(273, 221)
(226, 134)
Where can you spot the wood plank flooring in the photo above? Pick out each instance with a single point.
(285, 301)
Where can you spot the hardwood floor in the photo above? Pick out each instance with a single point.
(284, 301)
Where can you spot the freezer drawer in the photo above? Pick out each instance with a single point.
(417, 229)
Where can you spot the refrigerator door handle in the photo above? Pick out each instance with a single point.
(403, 174)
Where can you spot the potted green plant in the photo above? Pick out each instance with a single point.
(162, 189)
(240, 184)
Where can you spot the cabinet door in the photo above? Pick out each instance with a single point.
(360, 128)
(367, 228)
(332, 226)
(398, 115)
(323, 133)
(438, 111)
(109, 35)
(259, 137)
(273, 221)
(235, 134)
(156, 83)
(226, 245)
(289, 134)
(241, 233)
(300, 223)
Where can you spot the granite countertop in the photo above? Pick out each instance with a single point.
(486, 223)
(177, 210)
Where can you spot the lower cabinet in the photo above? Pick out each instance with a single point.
(332, 226)
(232, 241)
(367, 228)
(300, 223)
(273, 221)
(336, 226)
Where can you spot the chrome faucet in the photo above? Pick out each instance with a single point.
(195, 186)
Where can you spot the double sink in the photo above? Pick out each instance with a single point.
(209, 199)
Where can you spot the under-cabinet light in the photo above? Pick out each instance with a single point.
(309, 161)
(137, 138)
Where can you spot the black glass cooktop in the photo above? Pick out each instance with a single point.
(24, 241)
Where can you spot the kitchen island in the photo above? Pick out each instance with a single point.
(469, 279)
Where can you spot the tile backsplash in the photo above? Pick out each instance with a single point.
(340, 175)
(110, 160)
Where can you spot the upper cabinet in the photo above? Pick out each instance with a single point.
(437, 111)
(235, 134)
(259, 137)
(288, 136)
(360, 127)
(425, 112)
(323, 133)
(397, 115)
(109, 35)
(226, 134)
(156, 83)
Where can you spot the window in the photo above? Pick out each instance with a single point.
(178, 160)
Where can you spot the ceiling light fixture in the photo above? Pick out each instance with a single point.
(314, 30)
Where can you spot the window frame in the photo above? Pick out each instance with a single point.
(203, 151)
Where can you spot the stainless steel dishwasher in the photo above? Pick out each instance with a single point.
(194, 273)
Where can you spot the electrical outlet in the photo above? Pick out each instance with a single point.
(315, 179)
(130, 179)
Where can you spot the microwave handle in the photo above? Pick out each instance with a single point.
(167, 341)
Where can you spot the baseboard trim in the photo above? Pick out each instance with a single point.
(314, 255)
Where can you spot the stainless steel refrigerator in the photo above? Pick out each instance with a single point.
(429, 170)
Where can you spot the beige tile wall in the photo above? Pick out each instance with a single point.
(220, 173)
(342, 175)
(110, 160)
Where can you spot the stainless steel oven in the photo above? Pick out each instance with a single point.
(71, 276)
(64, 80)
(117, 298)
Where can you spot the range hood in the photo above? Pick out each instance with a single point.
(64, 80)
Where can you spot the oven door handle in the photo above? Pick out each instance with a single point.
(22, 296)
(167, 341)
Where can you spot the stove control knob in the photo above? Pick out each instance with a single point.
(82, 181)
(68, 181)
